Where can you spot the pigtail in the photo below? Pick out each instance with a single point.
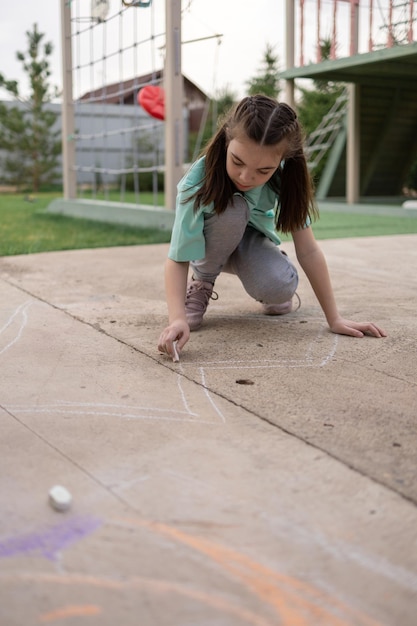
(217, 186)
(296, 205)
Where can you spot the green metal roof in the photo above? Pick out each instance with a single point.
(390, 66)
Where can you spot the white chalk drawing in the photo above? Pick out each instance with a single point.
(129, 412)
(305, 536)
(318, 354)
(18, 319)
(314, 357)
(254, 576)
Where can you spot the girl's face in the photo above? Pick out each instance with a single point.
(250, 165)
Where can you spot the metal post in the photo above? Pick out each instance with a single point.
(68, 124)
(354, 27)
(173, 84)
(289, 49)
(333, 47)
(353, 146)
(301, 33)
(390, 42)
(371, 25)
(318, 51)
(410, 24)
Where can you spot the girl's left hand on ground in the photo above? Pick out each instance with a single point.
(356, 329)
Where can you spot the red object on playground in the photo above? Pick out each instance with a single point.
(152, 99)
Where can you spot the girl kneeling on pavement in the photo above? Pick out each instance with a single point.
(251, 182)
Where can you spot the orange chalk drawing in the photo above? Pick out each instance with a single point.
(296, 603)
(70, 611)
(288, 601)
(154, 586)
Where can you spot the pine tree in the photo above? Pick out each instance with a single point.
(316, 101)
(267, 81)
(219, 106)
(26, 133)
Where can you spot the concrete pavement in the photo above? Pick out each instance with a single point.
(269, 478)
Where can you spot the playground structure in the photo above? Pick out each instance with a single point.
(102, 46)
(371, 136)
(372, 132)
(372, 26)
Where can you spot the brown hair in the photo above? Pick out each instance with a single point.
(267, 122)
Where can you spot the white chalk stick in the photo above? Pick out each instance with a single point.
(60, 498)
(176, 354)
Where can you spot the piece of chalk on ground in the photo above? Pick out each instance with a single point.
(60, 498)
(176, 357)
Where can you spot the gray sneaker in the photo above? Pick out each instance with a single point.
(281, 309)
(196, 301)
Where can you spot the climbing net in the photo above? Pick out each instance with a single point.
(115, 52)
(353, 26)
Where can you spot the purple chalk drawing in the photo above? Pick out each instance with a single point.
(52, 540)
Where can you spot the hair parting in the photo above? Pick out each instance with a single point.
(267, 122)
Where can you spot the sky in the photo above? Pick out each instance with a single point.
(245, 28)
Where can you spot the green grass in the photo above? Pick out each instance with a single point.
(344, 225)
(146, 197)
(26, 227)
(341, 225)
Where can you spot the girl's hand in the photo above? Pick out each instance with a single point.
(178, 331)
(356, 329)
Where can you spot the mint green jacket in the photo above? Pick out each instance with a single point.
(187, 240)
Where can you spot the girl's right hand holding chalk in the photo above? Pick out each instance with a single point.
(173, 338)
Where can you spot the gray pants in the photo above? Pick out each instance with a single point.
(234, 247)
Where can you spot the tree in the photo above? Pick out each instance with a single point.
(316, 102)
(225, 99)
(26, 133)
(216, 109)
(267, 81)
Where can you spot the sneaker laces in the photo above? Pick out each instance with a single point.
(198, 295)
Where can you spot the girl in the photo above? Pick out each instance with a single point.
(251, 181)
